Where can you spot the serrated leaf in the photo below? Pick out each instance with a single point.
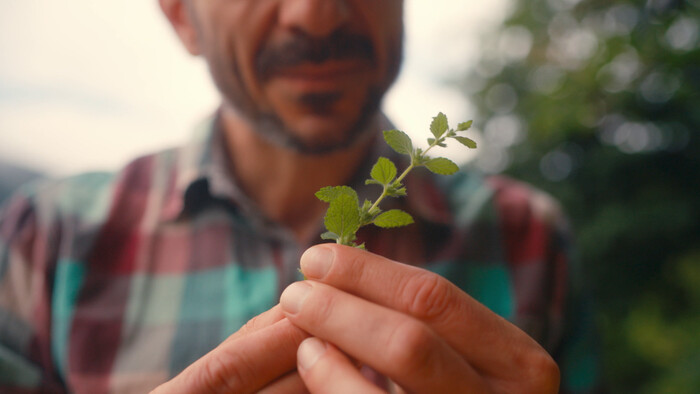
(442, 166)
(420, 160)
(329, 236)
(396, 189)
(399, 141)
(396, 192)
(468, 142)
(439, 125)
(367, 214)
(393, 218)
(343, 217)
(330, 193)
(464, 126)
(384, 171)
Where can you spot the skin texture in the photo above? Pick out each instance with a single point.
(300, 82)
(235, 366)
(409, 324)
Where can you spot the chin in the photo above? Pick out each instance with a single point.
(323, 135)
(323, 131)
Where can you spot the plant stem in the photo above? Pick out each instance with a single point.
(399, 179)
(403, 174)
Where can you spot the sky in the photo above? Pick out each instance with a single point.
(87, 85)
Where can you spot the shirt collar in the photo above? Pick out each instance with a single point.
(190, 169)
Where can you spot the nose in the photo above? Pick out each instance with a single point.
(316, 18)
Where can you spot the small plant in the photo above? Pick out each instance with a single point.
(345, 216)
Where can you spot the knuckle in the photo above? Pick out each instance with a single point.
(223, 372)
(250, 326)
(411, 346)
(208, 376)
(428, 295)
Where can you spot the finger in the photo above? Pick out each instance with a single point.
(392, 343)
(290, 383)
(242, 365)
(265, 319)
(325, 369)
(490, 343)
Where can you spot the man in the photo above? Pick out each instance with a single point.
(135, 281)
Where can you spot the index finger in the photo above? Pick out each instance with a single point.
(242, 365)
(486, 340)
(265, 319)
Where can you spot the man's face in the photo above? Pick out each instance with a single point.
(309, 74)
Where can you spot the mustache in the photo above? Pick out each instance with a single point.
(302, 48)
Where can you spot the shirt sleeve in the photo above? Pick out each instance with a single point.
(27, 260)
(553, 304)
(573, 335)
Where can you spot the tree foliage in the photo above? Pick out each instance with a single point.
(598, 102)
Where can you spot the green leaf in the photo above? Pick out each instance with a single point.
(439, 125)
(384, 171)
(442, 166)
(393, 218)
(367, 214)
(330, 193)
(431, 141)
(468, 142)
(329, 236)
(465, 126)
(343, 217)
(396, 190)
(399, 141)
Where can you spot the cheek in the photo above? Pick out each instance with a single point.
(384, 23)
(251, 34)
(238, 33)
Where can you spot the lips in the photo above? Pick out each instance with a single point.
(322, 76)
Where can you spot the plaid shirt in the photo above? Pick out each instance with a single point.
(117, 282)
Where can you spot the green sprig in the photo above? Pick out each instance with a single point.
(345, 215)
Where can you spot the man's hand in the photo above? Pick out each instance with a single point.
(411, 325)
(260, 357)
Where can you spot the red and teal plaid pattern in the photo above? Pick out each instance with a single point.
(117, 282)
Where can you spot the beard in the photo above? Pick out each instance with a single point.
(272, 128)
(298, 50)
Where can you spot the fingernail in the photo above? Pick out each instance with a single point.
(293, 297)
(310, 350)
(316, 262)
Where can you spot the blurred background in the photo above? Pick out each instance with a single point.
(596, 102)
(87, 85)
